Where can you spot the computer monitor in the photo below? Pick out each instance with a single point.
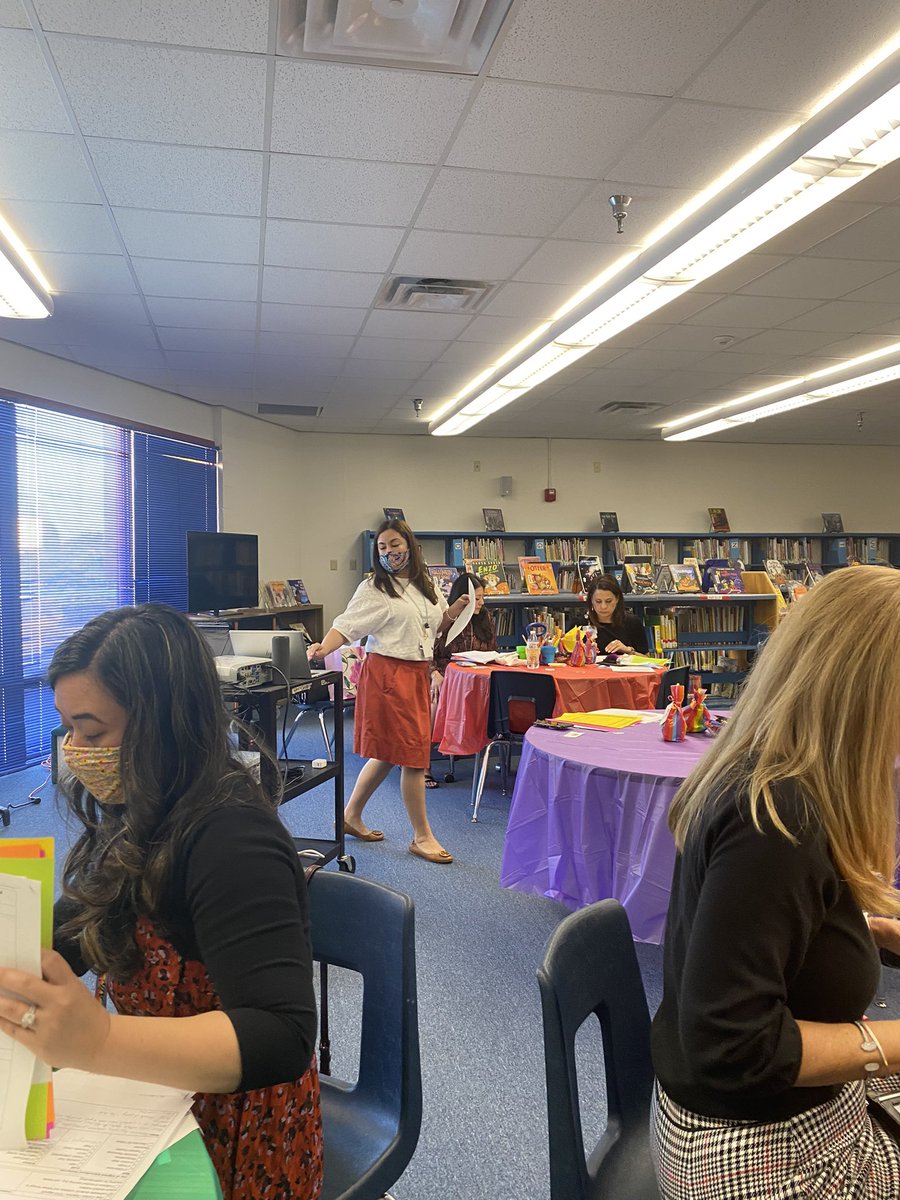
(223, 571)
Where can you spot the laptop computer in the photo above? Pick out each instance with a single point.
(257, 643)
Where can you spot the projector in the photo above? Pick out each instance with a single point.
(243, 670)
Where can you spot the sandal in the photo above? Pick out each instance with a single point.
(430, 781)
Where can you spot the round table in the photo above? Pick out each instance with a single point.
(588, 819)
(460, 723)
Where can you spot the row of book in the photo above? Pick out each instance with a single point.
(714, 624)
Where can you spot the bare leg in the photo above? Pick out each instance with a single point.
(412, 789)
(370, 777)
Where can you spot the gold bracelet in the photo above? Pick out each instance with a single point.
(869, 1043)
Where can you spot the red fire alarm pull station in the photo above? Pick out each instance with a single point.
(549, 495)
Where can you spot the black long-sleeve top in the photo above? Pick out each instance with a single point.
(240, 907)
(760, 933)
(630, 633)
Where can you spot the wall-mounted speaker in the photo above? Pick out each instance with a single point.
(506, 485)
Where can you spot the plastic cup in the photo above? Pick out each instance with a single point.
(548, 655)
(520, 650)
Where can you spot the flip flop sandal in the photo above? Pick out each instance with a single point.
(430, 781)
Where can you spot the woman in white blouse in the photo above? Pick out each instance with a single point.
(401, 613)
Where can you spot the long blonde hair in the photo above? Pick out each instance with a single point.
(822, 707)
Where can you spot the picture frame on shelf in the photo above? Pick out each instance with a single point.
(393, 514)
(609, 522)
(832, 522)
(298, 587)
(718, 521)
(493, 520)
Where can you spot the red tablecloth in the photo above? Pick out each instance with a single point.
(460, 723)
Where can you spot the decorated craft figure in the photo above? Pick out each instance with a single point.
(673, 726)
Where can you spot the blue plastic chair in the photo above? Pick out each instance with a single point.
(590, 967)
(371, 1127)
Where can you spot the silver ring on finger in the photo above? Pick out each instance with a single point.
(28, 1017)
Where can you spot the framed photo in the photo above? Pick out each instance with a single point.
(609, 522)
(718, 521)
(832, 523)
(393, 514)
(493, 520)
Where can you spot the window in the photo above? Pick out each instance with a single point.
(92, 516)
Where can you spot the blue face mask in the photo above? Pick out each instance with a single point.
(395, 561)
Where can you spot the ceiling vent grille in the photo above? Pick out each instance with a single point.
(430, 35)
(288, 410)
(628, 406)
(426, 294)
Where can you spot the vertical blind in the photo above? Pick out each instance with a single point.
(92, 516)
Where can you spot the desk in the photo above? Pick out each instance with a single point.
(460, 723)
(588, 817)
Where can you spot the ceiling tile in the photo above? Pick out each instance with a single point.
(592, 220)
(377, 377)
(755, 312)
(823, 223)
(203, 314)
(287, 368)
(498, 332)
(210, 341)
(488, 202)
(330, 247)
(76, 228)
(28, 96)
(885, 290)
(746, 269)
(44, 166)
(399, 349)
(816, 278)
(881, 187)
(88, 273)
(353, 289)
(691, 144)
(462, 255)
(302, 345)
(12, 15)
(228, 25)
(696, 337)
(572, 264)
(385, 323)
(343, 110)
(780, 343)
(534, 300)
(807, 44)
(322, 189)
(862, 343)
(189, 236)
(539, 130)
(875, 238)
(183, 361)
(547, 47)
(179, 178)
(301, 318)
(188, 97)
(197, 280)
(646, 359)
(474, 355)
(845, 316)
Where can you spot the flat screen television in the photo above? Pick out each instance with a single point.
(223, 571)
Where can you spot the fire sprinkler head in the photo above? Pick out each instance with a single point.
(417, 405)
(619, 204)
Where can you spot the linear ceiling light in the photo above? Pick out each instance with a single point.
(24, 292)
(788, 404)
(856, 135)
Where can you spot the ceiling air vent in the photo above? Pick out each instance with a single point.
(628, 406)
(288, 410)
(430, 35)
(433, 295)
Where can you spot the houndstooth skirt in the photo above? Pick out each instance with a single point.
(831, 1152)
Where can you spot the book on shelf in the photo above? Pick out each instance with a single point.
(685, 578)
(639, 579)
(539, 579)
(691, 560)
(490, 571)
(663, 578)
(737, 550)
(493, 520)
(618, 574)
(393, 514)
(725, 581)
(609, 522)
(832, 523)
(482, 547)
(718, 521)
(567, 577)
(513, 573)
(279, 594)
(442, 576)
(298, 587)
(813, 573)
(524, 559)
(775, 571)
(565, 549)
(588, 565)
(299, 627)
(795, 589)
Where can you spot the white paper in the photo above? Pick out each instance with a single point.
(107, 1133)
(479, 658)
(20, 947)
(464, 617)
(640, 714)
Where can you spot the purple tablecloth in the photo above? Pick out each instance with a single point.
(588, 820)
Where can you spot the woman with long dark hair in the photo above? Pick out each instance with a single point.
(185, 891)
(618, 632)
(402, 614)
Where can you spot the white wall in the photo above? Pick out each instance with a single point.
(309, 496)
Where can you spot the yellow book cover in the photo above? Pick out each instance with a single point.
(539, 579)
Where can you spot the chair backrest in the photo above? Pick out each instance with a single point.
(590, 966)
(518, 699)
(677, 675)
(369, 928)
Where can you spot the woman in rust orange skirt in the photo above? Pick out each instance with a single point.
(402, 614)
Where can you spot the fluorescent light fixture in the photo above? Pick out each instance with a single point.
(858, 134)
(788, 404)
(24, 292)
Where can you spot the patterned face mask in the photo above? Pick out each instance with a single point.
(97, 767)
(395, 561)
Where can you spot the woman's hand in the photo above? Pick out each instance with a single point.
(617, 647)
(70, 1027)
(436, 680)
(314, 650)
(886, 933)
(457, 607)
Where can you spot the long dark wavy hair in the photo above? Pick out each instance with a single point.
(177, 767)
(418, 571)
(482, 624)
(606, 583)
